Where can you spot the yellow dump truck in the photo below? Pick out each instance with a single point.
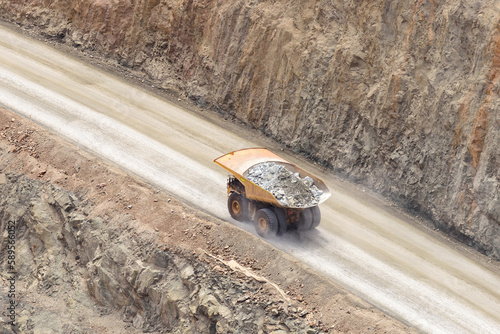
(272, 192)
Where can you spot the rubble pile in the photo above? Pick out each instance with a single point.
(287, 187)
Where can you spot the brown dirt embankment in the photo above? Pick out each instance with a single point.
(94, 243)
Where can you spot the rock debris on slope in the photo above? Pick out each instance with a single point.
(287, 187)
(66, 255)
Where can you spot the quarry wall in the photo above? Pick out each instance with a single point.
(398, 95)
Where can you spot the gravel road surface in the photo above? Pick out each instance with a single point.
(374, 250)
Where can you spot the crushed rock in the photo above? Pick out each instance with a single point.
(287, 187)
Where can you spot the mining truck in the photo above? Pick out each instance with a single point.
(271, 201)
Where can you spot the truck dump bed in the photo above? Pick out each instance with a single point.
(239, 163)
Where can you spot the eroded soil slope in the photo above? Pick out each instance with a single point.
(97, 251)
(399, 95)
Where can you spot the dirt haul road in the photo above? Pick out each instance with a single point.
(411, 272)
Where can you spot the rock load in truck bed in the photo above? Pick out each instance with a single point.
(287, 187)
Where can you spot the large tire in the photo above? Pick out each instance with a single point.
(237, 206)
(316, 213)
(306, 220)
(266, 223)
(282, 224)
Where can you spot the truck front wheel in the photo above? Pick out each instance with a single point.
(266, 223)
(237, 206)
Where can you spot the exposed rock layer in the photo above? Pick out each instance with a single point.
(155, 289)
(399, 95)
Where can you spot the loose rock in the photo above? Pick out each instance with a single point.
(288, 188)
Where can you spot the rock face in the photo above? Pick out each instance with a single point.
(154, 289)
(398, 95)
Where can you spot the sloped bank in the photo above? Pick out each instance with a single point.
(398, 95)
(155, 289)
(99, 251)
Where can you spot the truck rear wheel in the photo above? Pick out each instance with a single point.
(306, 220)
(281, 216)
(266, 223)
(237, 206)
(316, 213)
